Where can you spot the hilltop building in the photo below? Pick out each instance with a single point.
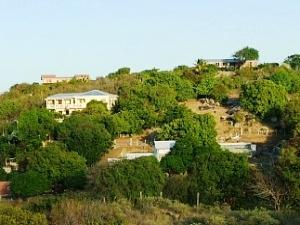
(51, 79)
(231, 63)
(67, 103)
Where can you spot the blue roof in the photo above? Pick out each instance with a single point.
(80, 94)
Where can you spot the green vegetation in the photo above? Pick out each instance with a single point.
(86, 136)
(28, 184)
(128, 179)
(61, 159)
(293, 61)
(217, 175)
(263, 98)
(247, 53)
(61, 168)
(17, 216)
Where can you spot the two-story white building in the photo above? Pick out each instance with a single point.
(67, 103)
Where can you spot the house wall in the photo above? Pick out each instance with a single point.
(250, 64)
(51, 79)
(67, 106)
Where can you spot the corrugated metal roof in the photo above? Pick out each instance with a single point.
(81, 94)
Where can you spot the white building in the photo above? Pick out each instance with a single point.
(239, 147)
(52, 79)
(231, 63)
(67, 103)
(162, 148)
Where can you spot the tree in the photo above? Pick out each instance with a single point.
(84, 135)
(179, 84)
(8, 148)
(287, 78)
(247, 53)
(293, 61)
(63, 169)
(29, 184)
(172, 164)
(201, 127)
(289, 167)
(124, 122)
(35, 126)
(96, 108)
(269, 187)
(128, 178)
(291, 114)
(206, 85)
(3, 175)
(219, 176)
(263, 98)
(220, 92)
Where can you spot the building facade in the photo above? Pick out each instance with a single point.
(67, 103)
(231, 63)
(51, 79)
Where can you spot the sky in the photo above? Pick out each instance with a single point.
(67, 37)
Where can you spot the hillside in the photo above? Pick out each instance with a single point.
(199, 107)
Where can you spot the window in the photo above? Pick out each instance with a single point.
(60, 101)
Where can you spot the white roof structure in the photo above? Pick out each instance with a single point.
(162, 148)
(66, 103)
(80, 94)
(164, 144)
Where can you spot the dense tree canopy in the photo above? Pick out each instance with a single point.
(82, 134)
(289, 79)
(292, 112)
(216, 174)
(35, 126)
(30, 183)
(201, 127)
(63, 169)
(247, 53)
(264, 98)
(293, 61)
(128, 178)
(289, 169)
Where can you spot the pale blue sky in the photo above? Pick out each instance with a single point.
(97, 37)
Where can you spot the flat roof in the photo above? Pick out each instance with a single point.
(164, 144)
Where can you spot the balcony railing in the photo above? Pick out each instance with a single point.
(66, 106)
